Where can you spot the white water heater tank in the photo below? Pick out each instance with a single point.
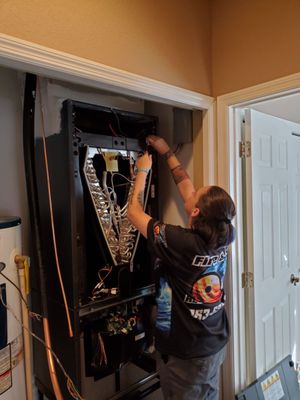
(12, 373)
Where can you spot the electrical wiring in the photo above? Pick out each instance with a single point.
(118, 122)
(100, 289)
(70, 384)
(141, 134)
(120, 324)
(112, 130)
(31, 313)
(99, 350)
(121, 184)
(125, 177)
(103, 356)
(107, 193)
(100, 199)
(18, 289)
(78, 130)
(129, 183)
(178, 148)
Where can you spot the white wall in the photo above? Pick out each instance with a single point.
(171, 206)
(13, 197)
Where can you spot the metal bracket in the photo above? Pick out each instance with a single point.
(294, 279)
(247, 280)
(245, 149)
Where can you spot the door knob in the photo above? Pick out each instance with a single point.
(294, 279)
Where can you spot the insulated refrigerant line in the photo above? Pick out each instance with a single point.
(30, 174)
(51, 211)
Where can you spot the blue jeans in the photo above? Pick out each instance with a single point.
(194, 379)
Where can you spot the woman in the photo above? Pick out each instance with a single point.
(191, 326)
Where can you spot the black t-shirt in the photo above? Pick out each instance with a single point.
(191, 320)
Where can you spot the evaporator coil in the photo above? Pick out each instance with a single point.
(109, 175)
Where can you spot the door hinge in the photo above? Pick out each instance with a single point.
(247, 280)
(245, 149)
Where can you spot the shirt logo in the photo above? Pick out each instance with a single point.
(208, 289)
(207, 261)
(159, 231)
(203, 313)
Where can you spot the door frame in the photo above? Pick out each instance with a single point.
(229, 176)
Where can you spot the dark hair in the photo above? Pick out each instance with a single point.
(213, 223)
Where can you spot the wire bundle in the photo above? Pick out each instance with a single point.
(70, 384)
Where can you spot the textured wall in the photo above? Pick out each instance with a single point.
(168, 40)
(253, 42)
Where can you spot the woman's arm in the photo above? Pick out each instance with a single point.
(135, 210)
(181, 178)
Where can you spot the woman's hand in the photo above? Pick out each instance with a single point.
(158, 143)
(144, 162)
(135, 211)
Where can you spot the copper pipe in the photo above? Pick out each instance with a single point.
(51, 213)
(51, 366)
(31, 182)
(20, 261)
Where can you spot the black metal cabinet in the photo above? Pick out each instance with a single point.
(95, 150)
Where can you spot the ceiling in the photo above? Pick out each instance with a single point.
(287, 107)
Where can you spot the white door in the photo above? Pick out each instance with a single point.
(273, 236)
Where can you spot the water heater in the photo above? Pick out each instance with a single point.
(12, 373)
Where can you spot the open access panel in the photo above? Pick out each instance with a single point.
(106, 268)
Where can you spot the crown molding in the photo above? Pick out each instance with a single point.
(263, 91)
(31, 57)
